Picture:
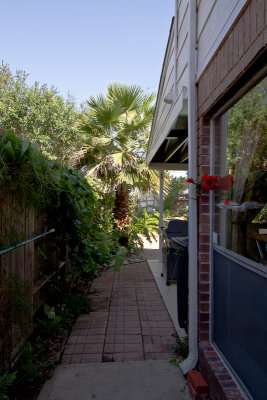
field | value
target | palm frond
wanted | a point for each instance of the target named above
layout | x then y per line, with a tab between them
138	126
101	141
95	101
103	111
117	158
129	97
108	114
117	127
147	102
92	128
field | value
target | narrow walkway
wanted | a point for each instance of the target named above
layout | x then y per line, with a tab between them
129	321
123	347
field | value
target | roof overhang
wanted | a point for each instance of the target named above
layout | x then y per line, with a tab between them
172	153
168	141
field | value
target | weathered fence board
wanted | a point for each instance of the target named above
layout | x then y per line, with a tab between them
31	264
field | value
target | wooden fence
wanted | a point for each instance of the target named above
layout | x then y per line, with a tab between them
24	271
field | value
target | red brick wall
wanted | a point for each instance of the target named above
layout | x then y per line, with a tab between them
204	229
245	41
221	384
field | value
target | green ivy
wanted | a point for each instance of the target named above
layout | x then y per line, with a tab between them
6	382
66	197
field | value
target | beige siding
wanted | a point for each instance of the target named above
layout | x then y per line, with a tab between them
215	17
174	78
167	84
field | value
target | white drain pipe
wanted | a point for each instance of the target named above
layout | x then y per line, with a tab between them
161	205
192	359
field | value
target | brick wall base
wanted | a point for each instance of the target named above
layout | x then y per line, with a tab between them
221	383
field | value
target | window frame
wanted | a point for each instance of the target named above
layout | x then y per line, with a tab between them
215	117
245	262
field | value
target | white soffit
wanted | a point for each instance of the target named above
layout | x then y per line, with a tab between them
179	109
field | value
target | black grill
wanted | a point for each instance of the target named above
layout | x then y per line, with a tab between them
175	263
176	228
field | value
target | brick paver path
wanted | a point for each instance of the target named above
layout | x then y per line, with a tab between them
129	320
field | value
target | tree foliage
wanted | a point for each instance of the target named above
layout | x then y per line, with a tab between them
117	127
39	114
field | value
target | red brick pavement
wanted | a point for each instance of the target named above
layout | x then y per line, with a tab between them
129	320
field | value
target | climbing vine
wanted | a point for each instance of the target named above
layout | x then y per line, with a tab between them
66	198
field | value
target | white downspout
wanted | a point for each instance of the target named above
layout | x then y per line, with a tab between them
161	204
192	358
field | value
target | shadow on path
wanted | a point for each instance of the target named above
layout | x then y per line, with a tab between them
123	348
129	320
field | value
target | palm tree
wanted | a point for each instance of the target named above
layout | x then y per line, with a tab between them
117	128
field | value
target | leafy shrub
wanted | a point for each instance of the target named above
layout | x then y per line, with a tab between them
29	374
6	381
145	224
50	327
60	317
174	201
120	257
67	198
181	346
74	304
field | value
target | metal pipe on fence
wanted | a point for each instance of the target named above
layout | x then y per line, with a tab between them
26	241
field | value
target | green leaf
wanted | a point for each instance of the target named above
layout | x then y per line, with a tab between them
6	381
57	175
120	257
25	145
146	232
8	148
11	137
81	203
34	146
69	183
56	321
47	309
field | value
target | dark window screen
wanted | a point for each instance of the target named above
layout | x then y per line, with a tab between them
240	322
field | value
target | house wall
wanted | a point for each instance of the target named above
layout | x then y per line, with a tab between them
162	114
231	35
215	18
149	203
173	78
243	44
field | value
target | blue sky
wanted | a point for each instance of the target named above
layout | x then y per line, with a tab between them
80	46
